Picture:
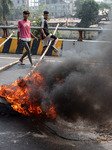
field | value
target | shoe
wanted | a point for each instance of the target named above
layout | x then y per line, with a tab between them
32	65
21	62
56	50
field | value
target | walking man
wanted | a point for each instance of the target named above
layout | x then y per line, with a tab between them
45	35
24	27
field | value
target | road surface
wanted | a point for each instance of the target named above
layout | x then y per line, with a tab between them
18	132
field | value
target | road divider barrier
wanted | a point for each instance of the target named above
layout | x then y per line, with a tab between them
36	47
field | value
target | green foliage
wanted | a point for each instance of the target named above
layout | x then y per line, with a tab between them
89	13
104	6
78	5
36	18
36	23
16	13
1	12
5	6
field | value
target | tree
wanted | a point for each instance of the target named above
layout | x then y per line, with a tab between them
5	6
78	5
36	18
16	13
89	13
104	6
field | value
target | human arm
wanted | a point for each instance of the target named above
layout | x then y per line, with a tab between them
34	36
43	33
41	30
18	35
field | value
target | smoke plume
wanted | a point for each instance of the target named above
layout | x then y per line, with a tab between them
79	89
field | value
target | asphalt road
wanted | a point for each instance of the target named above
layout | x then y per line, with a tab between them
18	132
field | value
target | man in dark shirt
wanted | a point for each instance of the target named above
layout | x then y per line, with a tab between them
46	36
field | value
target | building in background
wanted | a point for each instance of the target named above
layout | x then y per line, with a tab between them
19	3
107	1
56	8
34	3
99	1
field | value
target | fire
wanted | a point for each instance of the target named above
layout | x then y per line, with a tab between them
59	80
24	95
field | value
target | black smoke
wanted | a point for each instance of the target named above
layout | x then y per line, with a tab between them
79	89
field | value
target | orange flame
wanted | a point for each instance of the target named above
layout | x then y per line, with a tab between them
59	80
24	96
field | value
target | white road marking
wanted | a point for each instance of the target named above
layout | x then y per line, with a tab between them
47	59
8	58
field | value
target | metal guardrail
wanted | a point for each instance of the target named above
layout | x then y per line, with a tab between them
80	30
60	28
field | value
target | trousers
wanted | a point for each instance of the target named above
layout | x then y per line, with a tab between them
28	51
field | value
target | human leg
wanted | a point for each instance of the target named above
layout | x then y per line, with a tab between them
45	43
28	51
55	39
44	48
27	46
